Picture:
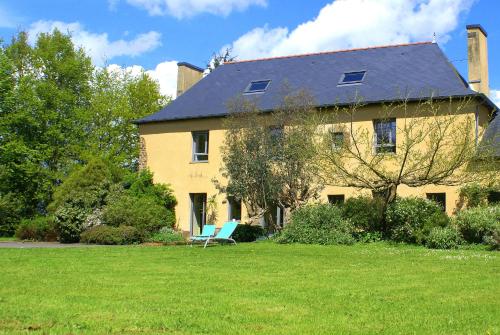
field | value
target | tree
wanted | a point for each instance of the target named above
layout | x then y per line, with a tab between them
118	98
57	112
40	125
220	58
429	143
268	159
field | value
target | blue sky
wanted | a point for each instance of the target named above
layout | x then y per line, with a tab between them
155	34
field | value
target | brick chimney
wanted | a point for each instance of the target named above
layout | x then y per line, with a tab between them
477	50
187	76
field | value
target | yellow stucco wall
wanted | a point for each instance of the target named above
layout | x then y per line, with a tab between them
169	156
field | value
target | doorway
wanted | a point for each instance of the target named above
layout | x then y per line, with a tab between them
233	209
198	212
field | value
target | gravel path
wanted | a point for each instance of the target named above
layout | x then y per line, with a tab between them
29	245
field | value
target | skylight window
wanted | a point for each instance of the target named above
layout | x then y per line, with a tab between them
257	86
352	77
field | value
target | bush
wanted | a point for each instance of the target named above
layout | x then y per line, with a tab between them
368	237
86	187
365	213
480	224
69	221
10	214
141	184
317	224
493	240
411	219
247	233
111	235
443	238
474	195
38	229
144	213
167	235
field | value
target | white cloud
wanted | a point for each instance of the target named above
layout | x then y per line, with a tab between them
165	73
98	46
346	24
495	96
188	8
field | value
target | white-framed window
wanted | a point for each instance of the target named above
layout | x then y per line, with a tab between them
234	209
384	135
200	146
356	77
338	140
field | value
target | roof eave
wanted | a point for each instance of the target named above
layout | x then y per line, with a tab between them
483	98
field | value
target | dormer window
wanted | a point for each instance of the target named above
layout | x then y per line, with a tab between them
352	77
257	86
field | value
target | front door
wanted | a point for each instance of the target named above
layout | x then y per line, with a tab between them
198	212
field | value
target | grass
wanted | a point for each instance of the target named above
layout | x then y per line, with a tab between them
7	239
252	288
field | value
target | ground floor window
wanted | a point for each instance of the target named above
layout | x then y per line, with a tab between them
278	217
234	209
494	197
336	199
440	198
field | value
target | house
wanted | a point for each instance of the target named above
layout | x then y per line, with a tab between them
181	143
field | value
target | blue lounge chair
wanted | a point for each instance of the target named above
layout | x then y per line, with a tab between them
224	234
207	232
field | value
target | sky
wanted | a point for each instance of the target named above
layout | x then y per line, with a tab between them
153	35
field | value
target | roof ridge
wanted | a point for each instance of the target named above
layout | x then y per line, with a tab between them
330	52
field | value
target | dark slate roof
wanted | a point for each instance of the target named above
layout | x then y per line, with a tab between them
411	71
491	137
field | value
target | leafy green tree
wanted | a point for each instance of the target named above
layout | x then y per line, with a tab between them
40	128
117	99
270	163
57	112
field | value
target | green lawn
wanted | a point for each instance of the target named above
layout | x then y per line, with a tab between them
251	288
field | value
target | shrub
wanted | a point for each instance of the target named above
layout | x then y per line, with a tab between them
144	213
41	228
480	224
411	219
493	240
474	195
443	238
247	233
365	213
86	187
141	184
69	221
10	214
111	235
368	237
167	235
317	224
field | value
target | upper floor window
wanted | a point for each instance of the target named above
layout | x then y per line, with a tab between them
257	86
200	146
337	140
385	135
352	77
